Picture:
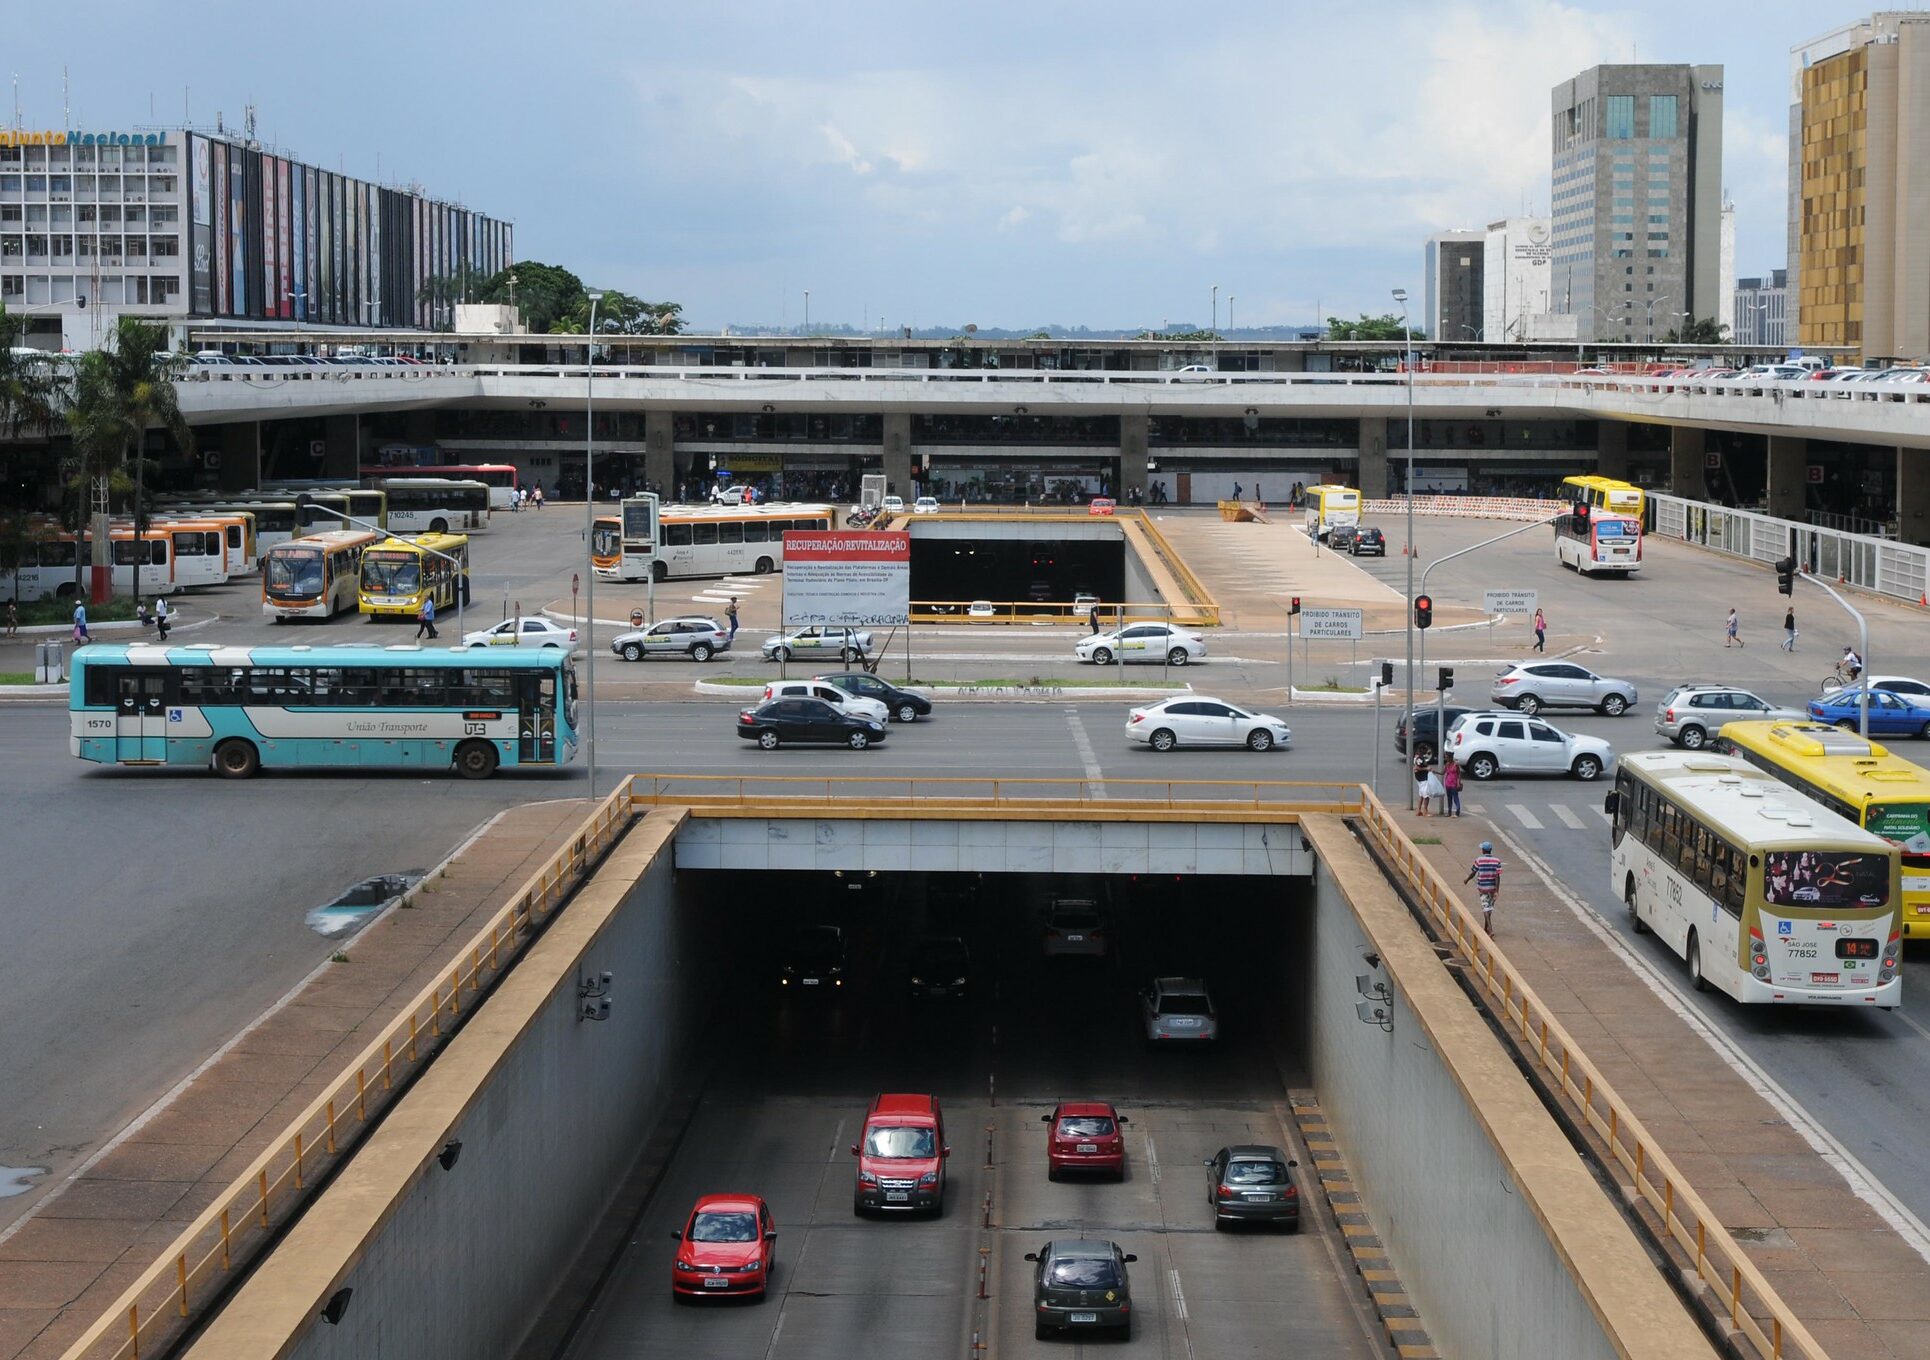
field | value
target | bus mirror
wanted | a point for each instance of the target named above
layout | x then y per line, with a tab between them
1612	802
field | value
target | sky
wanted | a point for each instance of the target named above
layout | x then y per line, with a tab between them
998	164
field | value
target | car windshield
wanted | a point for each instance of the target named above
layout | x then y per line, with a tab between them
724	1227
1084	1272
1085	1126
1825	878
1255	1172
940	958
891	1140
1183	1003
1075	920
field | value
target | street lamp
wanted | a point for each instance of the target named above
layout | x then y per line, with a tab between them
807	311
589	533
1230	300
1216	309
1400	296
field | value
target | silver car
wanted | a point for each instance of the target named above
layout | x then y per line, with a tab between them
1536	685
1178	1010
1690	714
697	636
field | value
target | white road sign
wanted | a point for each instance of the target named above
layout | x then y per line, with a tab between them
1330	623
1509	601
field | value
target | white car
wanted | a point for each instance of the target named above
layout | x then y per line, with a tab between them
844	701
1905	685
1493	744
925	505
894	504
1196	720
1194	373
1142	642
849	645
697	636
980	609
1178	1009
523	632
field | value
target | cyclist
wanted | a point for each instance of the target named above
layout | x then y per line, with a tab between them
1851	664
1485	874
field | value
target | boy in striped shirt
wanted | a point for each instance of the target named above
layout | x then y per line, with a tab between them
1485	874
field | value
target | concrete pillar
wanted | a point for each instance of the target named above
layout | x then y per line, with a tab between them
1687	446
1913	496
1135	429
1611	449
343	435
659	460
1373	458
1788	469
897	450
240	448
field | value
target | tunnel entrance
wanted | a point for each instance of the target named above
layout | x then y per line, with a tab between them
1046	573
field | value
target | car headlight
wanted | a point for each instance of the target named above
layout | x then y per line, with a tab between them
752	1264
866	1178
918	982
684	1264
958	982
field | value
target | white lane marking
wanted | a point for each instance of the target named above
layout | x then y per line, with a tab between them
1152	1159
1608	820
1476	807
1083	745
1179	1296
1567	816
1862	1182
1525	817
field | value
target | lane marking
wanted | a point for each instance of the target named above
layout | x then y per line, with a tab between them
1606	819
1179	1298
1152	1158
1567	816
1083	745
1525	817
1863	1182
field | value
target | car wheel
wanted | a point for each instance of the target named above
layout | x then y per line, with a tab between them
858	740
551	646
1051	1173
1614	706
236	760
1696	980
1528	704
850	656
1219	1224
1041	1332
1162	740
765	566
476	760
659	571
1259	740
700	651
1482	766
782	653
632	652
1634	915
1177	657
1691	738
1101	656
857	1207
1924	732
1586	767
768	739
1847	724
907	713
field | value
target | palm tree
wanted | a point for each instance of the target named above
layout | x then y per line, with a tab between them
120	393
30	394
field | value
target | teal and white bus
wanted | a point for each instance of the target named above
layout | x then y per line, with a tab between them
240	710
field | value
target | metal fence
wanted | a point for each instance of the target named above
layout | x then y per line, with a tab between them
1880	565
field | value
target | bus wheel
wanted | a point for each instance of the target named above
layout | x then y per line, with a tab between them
659	572
438	526
476	760
1634	916
765	566
1696	980
462	587
236	759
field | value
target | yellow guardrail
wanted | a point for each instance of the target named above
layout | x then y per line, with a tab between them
1043	611
883	795
1205	610
1752	1305
203	1260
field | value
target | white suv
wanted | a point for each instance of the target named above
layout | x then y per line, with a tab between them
842	700
1494	744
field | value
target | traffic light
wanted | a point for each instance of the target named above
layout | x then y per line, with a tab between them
1423	610
1786	576
1386	675
1580	516
1296	605
1447	678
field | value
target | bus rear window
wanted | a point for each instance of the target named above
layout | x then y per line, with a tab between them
1825	878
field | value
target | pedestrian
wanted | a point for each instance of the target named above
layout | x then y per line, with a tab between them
1092	617
13	618
80	624
1485	874
731	613
1236	491
537	495
1262	500
1427	784
163	618
1731	628
1541	631
1451	781
1789	630
426	619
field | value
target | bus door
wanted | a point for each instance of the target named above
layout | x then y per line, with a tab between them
536	719
140	715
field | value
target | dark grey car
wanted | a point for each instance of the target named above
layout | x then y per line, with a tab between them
1253	1183
1081	1286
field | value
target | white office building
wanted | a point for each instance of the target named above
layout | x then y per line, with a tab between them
1515	274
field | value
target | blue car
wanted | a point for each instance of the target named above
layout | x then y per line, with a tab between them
1891	715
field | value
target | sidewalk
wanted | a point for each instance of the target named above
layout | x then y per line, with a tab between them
67	1262
1860	1288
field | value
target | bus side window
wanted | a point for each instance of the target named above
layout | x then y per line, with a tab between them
1704	859
676	535
757	531
1736	890
730	531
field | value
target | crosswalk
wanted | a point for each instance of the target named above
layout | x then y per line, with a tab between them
1589	819
738	586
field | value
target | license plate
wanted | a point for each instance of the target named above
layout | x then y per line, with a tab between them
1257	1199
1088	1147
1082	1317
716	1282
1923	908
897	1196
810	982
1824	977
1075	939
1183	1024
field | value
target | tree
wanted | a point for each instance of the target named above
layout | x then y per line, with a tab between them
1387	326
1704	330
30	387
543	293
443	291
122	391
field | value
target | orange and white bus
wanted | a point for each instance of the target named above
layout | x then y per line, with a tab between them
705	540
316	576
47	564
239	553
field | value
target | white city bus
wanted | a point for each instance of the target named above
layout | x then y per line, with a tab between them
706	540
435	505
1768	896
314	577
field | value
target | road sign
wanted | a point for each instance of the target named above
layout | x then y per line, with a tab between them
1330	623
847	578
1508	601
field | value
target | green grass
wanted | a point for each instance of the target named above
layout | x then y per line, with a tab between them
1033	682
16	677
62	611
1331	686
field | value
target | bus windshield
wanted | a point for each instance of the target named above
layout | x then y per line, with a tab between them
605	538
298	573
391	573
1823	878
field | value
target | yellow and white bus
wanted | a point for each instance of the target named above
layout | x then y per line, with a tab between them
1329	506
1768	896
1607	494
314	577
704	540
399	573
1857	779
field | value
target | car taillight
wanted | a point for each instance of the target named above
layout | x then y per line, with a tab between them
1138	716
1669	716
767	693
1457	738
745	716
1507	679
1293	1192
1225	1192
572	635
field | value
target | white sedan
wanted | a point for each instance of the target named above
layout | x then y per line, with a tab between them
849	645
1142	642
1196	720
925	505
894	504
524	632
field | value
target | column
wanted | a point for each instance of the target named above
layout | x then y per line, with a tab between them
1913	496
1687	445
343	436
1373	458
1788	469
1611	449
240	449
897	450
659	460
1135	429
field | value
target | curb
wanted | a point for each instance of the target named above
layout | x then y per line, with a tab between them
23	694
1055	693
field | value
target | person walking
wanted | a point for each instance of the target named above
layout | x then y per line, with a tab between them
13	618
163	617
1236	491
1092	617
1451	781
537	495
1789	630
1732	639
1485	874
1541	630
1427	785
730	612
80	623
426	620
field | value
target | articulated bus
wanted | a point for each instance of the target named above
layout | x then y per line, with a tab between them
245	709
398	574
435	505
704	540
1856	779
47	564
314	577
1604	543
1606	493
1769	897
1331	506
500	478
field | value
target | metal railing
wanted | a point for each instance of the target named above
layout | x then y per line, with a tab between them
1047	611
874	794
1879	565
1751	1305
1201	605
203	1259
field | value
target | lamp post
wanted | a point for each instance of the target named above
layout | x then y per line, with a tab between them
1230	300
1216	309
807	311
1400	296
589	531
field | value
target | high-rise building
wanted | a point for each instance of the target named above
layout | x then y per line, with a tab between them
1452	266
1514	276
1761	311
1859	259
1637	198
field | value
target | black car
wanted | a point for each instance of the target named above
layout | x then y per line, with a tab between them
1370	543
901	704
773	724
1341	537
940	969
1424	720
1081	1286
812	960
1253	1183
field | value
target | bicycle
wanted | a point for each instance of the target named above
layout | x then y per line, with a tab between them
1841	677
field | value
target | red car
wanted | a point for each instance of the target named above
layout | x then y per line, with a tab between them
1083	1135
725	1248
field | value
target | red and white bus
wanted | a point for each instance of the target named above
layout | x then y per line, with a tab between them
500	478
1599	542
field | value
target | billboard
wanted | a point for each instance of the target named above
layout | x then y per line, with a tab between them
847	578
200	227
284	227
270	270
222	279
237	235
298	274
